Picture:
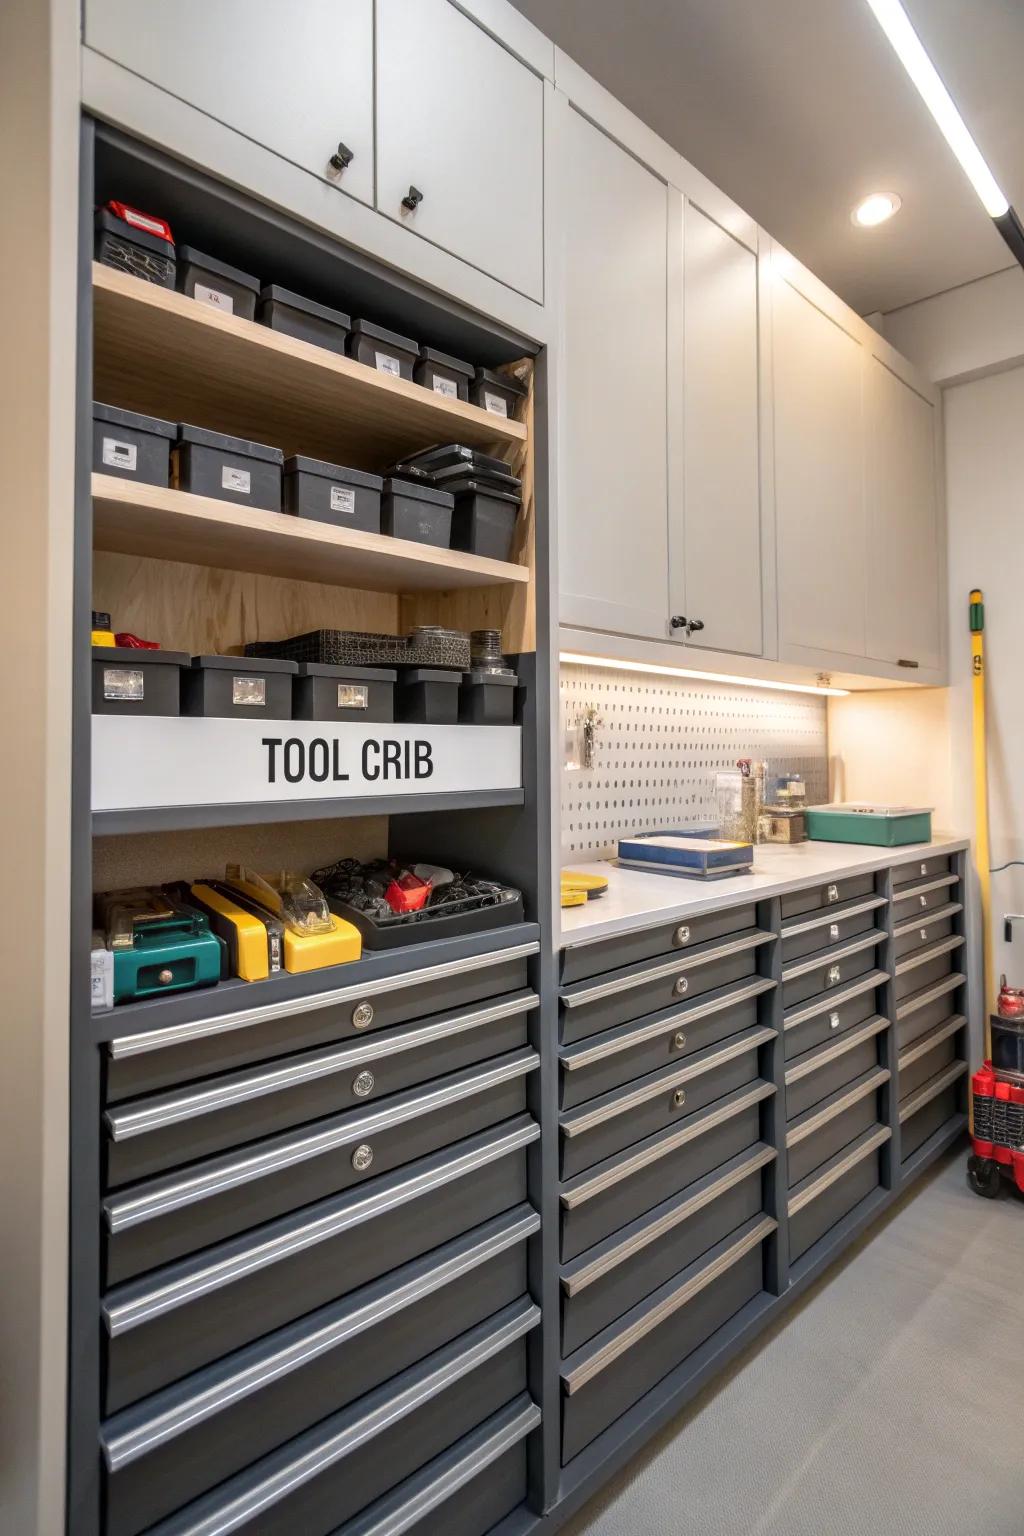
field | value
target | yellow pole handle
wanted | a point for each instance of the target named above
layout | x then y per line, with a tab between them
980	760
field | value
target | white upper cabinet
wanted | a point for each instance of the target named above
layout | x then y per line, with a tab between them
612	433
460	122
296	79
716	533
904	529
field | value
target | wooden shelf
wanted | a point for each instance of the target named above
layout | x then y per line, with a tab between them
159	352
136	519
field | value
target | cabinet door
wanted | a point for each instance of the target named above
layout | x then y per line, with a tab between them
719	546
819	478
613	512
461	121
903	597
297	79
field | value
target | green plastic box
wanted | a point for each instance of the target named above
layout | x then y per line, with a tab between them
880	826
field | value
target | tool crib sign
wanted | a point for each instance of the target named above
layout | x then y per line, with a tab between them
157	760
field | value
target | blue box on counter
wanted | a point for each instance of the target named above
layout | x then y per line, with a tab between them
686	852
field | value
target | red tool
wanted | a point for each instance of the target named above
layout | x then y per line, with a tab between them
997	1101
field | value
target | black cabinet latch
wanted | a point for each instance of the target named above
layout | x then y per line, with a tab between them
342	157
412	199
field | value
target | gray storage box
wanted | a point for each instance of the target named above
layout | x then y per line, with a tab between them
293	315
211	281
127	246
443	375
228	468
382	349
365	695
238	688
409	510
428	696
488	698
484	519
498	393
130	681
132	446
330	493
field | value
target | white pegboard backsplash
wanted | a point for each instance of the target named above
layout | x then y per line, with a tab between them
661	744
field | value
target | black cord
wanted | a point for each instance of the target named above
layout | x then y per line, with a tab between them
1011	864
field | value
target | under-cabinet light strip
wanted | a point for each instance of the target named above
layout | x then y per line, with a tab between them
576	659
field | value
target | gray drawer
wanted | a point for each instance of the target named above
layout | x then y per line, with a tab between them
615	1275
803	936
164	1218
834	1191
830	1067
330	1473
808	1026
829	893
930	1054
617	1120
928	964
150	1135
624	1187
921	869
179	1443
167	1055
467	1490
631	993
184	1316
581	961
832	970
603	1062
921	897
606	1377
928	930
927	1007
825	1129
931	1106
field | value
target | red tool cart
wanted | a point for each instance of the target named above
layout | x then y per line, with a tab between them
997	1094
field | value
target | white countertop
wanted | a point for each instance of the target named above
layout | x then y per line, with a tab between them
636	899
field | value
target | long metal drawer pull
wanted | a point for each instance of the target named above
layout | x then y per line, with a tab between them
624	1168
855	946
933	952
410	1503
930	1041
284	1008
931	1089
123	1211
829	915
817	1119
929	994
572	1058
234	1511
138	1430
832	1052
820	1182
826	1002
927	919
603	1357
908	892
139	1303
579	1122
674	967
587	1274
155	1113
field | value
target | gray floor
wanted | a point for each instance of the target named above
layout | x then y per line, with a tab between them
891	1399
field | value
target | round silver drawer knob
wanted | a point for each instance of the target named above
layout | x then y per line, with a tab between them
679	1098
683	934
682	985
165	977
362	1157
363	1085
679	1041
362	1015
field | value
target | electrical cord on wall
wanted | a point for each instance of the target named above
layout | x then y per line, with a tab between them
1010	864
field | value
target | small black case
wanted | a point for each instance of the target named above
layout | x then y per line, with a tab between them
409	510
213	282
330	493
428	696
230	468
132	446
238	687
302	318
135	681
365	695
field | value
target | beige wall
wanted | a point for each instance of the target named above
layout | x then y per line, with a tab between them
894	747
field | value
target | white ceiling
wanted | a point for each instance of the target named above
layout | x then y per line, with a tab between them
798	108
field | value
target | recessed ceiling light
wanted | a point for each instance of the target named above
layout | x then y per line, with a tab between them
876	209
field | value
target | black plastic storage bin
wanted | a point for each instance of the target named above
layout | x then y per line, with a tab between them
483	519
459	457
442	374
292	315
496	392
409	510
382	349
330	493
132	242
428	696
213	282
238	688
365	695
230	468
488	698
125	443
131	681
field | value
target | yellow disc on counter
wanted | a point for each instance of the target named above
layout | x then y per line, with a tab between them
589	885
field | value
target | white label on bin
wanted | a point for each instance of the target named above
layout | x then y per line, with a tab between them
235	479
446	387
216	300
496	404
386	364
117	455
343	499
353	696
249	690
123	683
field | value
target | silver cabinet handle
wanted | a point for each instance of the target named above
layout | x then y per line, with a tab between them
936	915
574	1057
931	1089
928	995
833	1172
815	1007
682	935
832	893
930	1041
592	993
801	925
848	1042
813	1121
933	952
855	946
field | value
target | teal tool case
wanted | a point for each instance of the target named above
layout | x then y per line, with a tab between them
879	826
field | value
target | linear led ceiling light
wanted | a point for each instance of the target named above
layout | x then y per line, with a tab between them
896	25
574	658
